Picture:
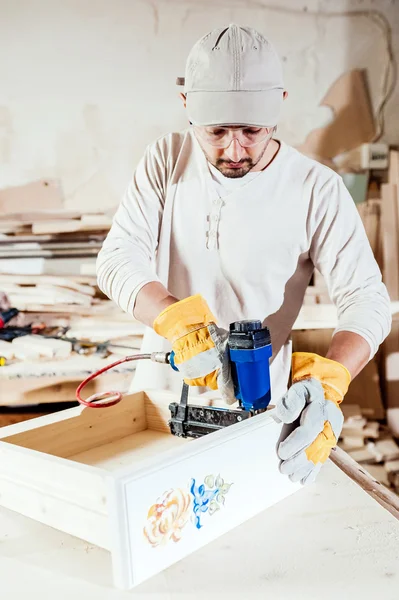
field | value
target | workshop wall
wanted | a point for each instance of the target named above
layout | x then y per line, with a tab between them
87	84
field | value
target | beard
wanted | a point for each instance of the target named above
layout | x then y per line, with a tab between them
246	164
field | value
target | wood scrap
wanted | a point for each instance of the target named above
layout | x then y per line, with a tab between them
88	269
29	216
370	213
25	354
390	239
362	455
62	282
75	365
73	225
111	331
51	348
368	430
393	169
386	450
379	473
44	194
352	414
43	266
46	294
7	349
373	447
391	466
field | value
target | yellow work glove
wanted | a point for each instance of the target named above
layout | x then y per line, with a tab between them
318	387
199	345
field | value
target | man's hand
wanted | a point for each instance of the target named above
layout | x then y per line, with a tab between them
199	345
319	385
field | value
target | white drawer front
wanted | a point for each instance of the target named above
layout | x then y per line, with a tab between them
204	491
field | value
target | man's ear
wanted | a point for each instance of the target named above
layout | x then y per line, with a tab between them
183	98
285	94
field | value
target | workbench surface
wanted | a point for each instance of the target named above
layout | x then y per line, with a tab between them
329	540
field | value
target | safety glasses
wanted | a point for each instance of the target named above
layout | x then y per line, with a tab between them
221	137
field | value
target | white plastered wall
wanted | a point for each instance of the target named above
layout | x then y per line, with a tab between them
85	85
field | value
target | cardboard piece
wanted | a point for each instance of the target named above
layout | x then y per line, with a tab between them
353	124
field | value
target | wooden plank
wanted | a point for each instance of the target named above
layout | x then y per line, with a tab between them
370	213
101	308
390	239
51	348
42	194
102	220
393	169
390	369
72	225
30	216
74	366
62	282
47	295
7	349
106	332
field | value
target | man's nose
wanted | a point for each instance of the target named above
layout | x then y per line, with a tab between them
235	152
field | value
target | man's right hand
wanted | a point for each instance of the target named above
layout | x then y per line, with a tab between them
199	345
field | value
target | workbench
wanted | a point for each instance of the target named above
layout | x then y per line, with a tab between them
330	540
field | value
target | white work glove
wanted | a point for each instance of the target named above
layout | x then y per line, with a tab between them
319	386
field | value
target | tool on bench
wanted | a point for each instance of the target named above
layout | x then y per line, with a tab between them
250	349
9	333
7	315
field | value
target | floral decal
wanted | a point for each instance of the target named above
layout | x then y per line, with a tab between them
210	499
167	517
171	512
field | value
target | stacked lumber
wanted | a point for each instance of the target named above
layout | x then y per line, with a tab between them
371	445
53	294
38	235
50	241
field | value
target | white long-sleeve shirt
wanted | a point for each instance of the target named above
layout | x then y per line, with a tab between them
249	246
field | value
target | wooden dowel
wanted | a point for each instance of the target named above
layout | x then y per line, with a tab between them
360	475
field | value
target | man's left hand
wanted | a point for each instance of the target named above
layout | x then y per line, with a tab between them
319	385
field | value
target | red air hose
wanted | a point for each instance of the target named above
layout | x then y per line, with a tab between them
113	396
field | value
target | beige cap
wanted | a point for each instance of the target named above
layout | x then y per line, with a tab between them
233	77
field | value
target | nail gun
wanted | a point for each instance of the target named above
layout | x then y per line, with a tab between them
250	349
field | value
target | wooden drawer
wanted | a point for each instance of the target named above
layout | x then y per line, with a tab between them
117	478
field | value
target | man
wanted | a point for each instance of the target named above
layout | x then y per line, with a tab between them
221	223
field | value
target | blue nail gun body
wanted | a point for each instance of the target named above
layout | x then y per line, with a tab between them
250	350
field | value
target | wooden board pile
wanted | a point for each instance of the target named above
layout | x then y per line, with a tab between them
371	445
96	324
36	293
48	293
38	235
44	371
